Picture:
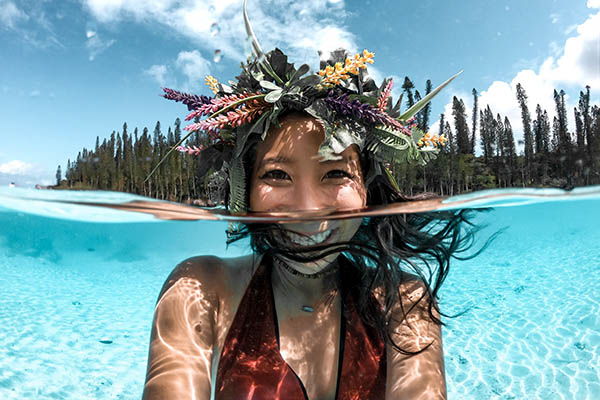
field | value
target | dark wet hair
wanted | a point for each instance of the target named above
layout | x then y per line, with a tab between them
383	253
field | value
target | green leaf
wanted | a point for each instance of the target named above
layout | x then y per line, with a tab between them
304	68
237	187
310	80
269	85
255	46
273	96
387	138
423	102
391	179
398	105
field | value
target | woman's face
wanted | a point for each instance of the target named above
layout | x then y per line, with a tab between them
288	176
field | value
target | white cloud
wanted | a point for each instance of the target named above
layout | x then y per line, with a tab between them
34	93
593	3
10	14
23	173
298	27
95	44
579	63
574	65
158	72
32	27
16	167
193	65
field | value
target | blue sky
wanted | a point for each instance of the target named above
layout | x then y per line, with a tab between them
72	70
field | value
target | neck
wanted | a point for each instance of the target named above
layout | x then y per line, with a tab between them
301	288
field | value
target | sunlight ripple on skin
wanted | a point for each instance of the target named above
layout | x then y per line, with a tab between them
185	316
294	352
413	333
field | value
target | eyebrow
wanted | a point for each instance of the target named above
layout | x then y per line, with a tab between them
286	160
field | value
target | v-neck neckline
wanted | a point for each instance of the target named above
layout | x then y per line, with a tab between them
342	337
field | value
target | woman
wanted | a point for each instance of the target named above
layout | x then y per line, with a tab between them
335	309
202	297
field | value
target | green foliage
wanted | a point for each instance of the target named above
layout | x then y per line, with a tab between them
123	160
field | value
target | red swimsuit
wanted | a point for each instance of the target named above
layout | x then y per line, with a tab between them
251	367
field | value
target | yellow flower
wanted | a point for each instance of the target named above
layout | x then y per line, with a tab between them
212	83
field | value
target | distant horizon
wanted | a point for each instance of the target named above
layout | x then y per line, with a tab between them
81	69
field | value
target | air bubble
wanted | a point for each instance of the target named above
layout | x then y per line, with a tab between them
218	55
214	29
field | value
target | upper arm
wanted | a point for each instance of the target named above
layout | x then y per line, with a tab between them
418	376
182	338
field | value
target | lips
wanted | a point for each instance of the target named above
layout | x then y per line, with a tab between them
304	239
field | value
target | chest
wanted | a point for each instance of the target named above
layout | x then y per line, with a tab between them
310	343
274	350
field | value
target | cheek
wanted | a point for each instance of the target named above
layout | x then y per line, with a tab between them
352	195
261	197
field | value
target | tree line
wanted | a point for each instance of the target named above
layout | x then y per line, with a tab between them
552	156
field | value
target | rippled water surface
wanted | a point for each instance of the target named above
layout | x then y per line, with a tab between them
77	297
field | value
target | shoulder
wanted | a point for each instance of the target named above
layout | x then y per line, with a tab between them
212	274
410	290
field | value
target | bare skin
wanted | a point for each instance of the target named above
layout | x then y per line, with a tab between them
201	296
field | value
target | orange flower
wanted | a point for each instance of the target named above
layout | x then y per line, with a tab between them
333	75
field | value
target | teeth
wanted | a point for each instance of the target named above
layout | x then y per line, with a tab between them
305	240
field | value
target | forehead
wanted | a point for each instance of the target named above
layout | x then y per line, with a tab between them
296	140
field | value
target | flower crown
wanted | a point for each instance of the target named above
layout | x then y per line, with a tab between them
341	96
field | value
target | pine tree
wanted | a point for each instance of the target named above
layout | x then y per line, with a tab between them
584	107
546	133
563	136
119	183
474	119
426	112
487	129
408	86
538	130
509	150
460	126
526	120
58	176
452	166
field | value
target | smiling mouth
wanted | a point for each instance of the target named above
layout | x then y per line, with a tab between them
310	240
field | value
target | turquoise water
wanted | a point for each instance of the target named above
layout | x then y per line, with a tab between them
77	298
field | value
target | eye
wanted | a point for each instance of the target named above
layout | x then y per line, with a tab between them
275	174
338	174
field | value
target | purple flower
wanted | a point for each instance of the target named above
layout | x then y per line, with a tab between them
362	112
192	101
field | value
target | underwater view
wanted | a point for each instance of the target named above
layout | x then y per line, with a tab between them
79	286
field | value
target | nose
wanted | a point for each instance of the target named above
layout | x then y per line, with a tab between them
309	198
